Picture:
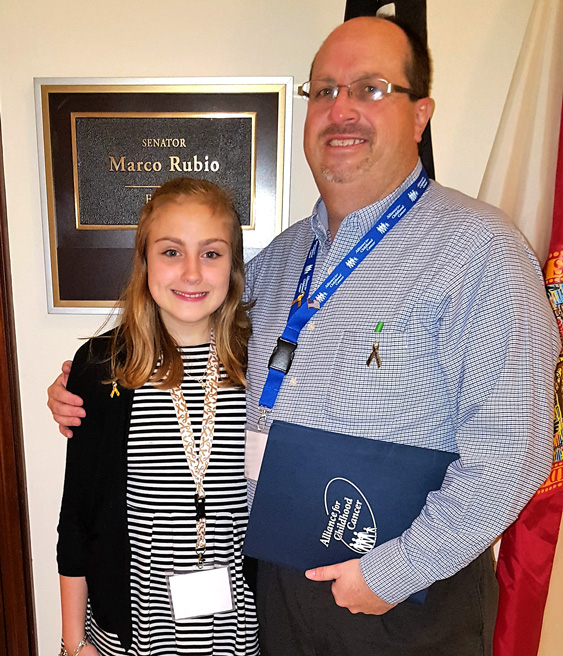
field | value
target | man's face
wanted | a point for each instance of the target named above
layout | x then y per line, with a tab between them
352	142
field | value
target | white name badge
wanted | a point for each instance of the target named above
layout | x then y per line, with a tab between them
200	592
255	446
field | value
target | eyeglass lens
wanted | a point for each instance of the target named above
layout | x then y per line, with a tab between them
364	90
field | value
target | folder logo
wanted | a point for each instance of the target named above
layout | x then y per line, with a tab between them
350	519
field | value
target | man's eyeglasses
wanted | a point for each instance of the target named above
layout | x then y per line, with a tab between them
366	89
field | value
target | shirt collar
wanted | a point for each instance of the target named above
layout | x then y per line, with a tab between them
361	220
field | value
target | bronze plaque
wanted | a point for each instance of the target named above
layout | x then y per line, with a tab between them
108	146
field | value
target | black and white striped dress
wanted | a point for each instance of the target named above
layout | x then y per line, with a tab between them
161	521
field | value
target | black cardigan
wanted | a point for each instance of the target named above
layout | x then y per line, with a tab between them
93	539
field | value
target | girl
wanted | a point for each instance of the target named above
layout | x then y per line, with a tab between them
154	482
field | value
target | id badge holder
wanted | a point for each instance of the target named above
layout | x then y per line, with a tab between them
200	592
254	447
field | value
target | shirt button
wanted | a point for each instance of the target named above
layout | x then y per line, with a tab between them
311	325
330	269
293	382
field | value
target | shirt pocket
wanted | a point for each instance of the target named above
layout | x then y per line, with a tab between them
377	394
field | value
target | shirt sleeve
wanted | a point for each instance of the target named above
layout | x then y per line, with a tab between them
81	461
250	273
498	344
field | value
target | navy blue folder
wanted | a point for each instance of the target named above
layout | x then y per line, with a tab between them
323	498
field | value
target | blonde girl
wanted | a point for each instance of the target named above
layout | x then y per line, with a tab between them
154	483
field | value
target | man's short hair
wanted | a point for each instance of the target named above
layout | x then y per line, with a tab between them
418	70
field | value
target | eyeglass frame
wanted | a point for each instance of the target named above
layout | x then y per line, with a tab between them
391	88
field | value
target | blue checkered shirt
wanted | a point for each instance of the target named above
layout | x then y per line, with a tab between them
468	352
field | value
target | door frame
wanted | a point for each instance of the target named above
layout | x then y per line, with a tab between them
18	636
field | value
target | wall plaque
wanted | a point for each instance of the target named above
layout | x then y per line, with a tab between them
106	145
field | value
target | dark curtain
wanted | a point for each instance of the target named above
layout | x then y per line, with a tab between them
413	14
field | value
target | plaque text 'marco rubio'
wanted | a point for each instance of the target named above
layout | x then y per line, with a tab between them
174	164
121	158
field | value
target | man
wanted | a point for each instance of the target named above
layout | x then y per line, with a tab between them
466	353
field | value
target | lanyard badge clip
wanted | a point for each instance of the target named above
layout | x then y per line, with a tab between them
280	360
263	418
282	355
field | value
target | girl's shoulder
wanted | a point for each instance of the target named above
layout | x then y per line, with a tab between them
96	347
91	363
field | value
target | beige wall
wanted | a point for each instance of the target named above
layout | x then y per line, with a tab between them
474	58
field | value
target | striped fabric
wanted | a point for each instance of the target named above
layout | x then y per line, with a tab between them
161	520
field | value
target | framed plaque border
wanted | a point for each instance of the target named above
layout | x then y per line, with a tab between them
266	228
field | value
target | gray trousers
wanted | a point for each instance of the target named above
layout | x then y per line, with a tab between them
298	617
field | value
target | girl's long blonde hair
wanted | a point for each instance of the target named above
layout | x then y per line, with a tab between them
142	349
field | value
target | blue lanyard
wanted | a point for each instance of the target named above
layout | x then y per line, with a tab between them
305	306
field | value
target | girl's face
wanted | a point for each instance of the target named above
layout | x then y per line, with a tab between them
188	267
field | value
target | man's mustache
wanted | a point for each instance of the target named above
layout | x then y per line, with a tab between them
343	130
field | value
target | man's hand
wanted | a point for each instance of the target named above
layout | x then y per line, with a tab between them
66	407
349	588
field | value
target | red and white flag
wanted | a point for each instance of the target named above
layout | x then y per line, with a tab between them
525	570
524	177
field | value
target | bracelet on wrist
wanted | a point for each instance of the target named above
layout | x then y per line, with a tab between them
78	649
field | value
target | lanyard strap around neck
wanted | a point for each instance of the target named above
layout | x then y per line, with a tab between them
198	462
305	306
